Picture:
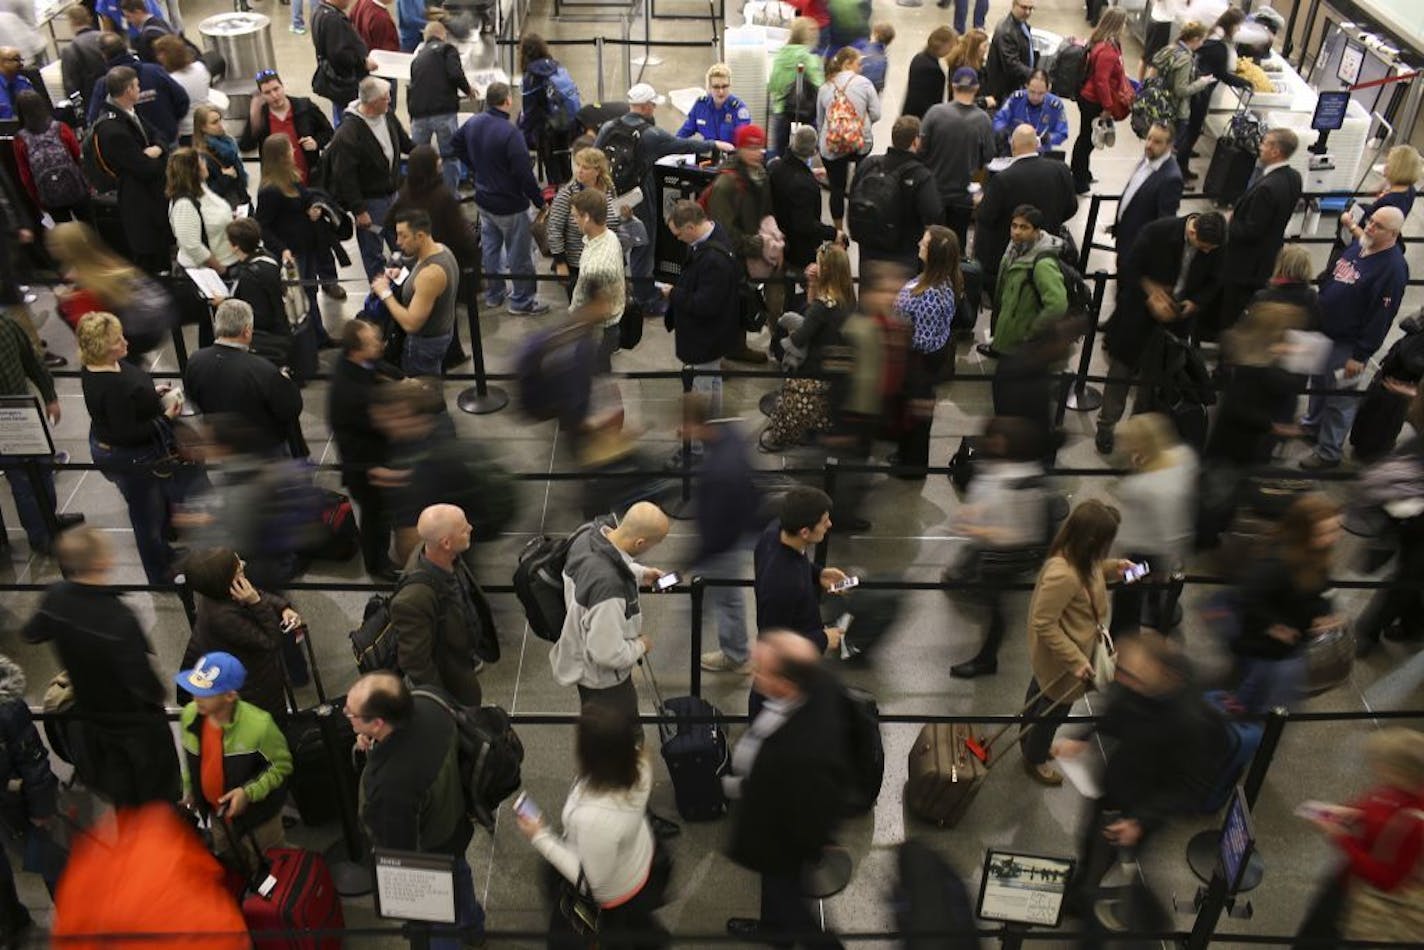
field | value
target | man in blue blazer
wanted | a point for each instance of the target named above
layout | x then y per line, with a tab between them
1153	191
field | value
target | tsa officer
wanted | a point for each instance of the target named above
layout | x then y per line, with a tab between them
717	115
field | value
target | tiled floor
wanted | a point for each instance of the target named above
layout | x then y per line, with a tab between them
909	539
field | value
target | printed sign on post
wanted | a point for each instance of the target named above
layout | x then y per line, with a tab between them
412	886
22	428
1023	888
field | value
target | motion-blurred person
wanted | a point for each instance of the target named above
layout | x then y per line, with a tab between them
1030	179
1029	291
1397	612
124	749
1012	57
29	809
726	502
1358	303
590	170
788	784
1261	393
1158	502
437	79
236	761
359	442
423	306
1068	610
897	224
364	165
796	201
47	157
1375	894
1293	283
228	378
147	26
606	845
1039	109
1259	219
32	486
180	62
1005	517
790	99
297	118
1284	601
956	141
81	61
1153	190
602	637
718	114
411	797
1169	277
1105	89
161	103
740	203
127	419
926	82
434	616
413	423
236	618
703	305
1158	756
137	154
927	304
844	84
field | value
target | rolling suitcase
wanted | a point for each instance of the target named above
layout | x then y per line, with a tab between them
867	750
1228	174
695	753
302	896
314	784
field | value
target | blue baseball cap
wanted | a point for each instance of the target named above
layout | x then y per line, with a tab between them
965	77
213	675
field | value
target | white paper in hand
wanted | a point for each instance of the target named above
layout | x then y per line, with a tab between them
1082	774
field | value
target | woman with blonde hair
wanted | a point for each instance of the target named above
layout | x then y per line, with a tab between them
927	82
841	147
1293	284
227	173
590	170
97	279
1403	168
781	88
197	215
718	113
127	418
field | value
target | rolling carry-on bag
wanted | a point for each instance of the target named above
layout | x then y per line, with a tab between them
1228	174
695	753
867	750
297	893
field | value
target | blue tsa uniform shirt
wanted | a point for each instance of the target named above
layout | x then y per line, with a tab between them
715	124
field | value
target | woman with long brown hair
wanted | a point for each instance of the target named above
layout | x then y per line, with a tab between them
198	215
227	173
926	83
1067	614
927	304
1105	89
1284	603
289	223
549	101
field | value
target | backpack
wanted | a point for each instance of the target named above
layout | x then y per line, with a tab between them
372	643
561	102
490	755
58	178
539	583
1068	69
620	145
876	212
554	372
801	99
1154	103
99	172
845	131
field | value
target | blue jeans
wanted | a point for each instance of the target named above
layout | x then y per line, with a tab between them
297	20
961	14
506	247
147	496
728	604
442	129
1266	684
1333	415
425	355
32	497
641	260
468	911
370	240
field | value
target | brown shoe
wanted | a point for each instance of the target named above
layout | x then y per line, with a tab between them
1044	774
747	355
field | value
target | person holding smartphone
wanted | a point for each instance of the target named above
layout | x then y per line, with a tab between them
607	848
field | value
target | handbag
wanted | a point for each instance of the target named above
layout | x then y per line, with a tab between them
578	907
295	302
1104	652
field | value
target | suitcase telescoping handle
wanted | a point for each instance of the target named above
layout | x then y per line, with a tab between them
981	750
665	730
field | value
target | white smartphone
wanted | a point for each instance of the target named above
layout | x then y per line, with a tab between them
846	584
1135	572
667	582
524	807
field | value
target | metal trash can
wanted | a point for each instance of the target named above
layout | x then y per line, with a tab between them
245	42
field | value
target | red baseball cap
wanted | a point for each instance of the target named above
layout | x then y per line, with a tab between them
749	136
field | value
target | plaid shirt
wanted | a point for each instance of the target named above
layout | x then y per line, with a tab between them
19	362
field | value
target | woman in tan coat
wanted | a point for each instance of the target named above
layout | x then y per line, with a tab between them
1069	605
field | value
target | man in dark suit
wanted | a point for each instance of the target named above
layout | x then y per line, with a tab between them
1153	192
789	778
1011	56
227	378
1258	227
361	445
796	202
1030	179
133	150
1169	277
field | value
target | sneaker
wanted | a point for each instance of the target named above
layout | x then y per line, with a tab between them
299	30
1104	441
1314	463
493	303
719	662
1111	914
1044	774
533	309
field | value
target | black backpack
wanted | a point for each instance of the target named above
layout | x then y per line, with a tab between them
620	145
1068	69
876	215
801	100
491	754
373	643
539	583
100	173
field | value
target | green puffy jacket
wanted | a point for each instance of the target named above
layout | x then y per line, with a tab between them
1029	294
783	73
255	758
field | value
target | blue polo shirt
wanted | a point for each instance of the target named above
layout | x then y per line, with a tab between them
715	124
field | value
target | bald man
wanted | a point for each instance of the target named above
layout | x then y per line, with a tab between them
1358	304
602	638
1030	178
435	611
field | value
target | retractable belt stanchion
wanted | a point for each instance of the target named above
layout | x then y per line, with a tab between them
481	398
1094	207
681	509
699	597
1082	397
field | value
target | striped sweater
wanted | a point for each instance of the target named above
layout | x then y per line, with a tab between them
565	239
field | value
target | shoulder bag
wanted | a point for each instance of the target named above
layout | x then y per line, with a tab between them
1104	653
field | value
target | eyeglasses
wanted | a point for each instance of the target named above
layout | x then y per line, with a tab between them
265	74
721	85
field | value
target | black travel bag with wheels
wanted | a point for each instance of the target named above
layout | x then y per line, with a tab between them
695	753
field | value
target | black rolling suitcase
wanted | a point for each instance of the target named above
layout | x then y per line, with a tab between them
1378	422
1228	174
315	783
866	748
966	316
695	753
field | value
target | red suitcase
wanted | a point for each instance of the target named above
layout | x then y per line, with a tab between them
303	897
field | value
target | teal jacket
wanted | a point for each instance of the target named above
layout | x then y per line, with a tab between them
255	758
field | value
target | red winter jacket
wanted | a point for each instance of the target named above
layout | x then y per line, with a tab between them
1397	857
817	10
1106	85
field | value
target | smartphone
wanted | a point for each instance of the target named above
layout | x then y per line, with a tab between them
667	582
846	584
1135	572
524	807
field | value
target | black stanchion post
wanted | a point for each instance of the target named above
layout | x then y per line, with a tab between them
823	550
597	59
699	596
481	398
1082	397
185	597
681	509
1088	229
350	871
180	347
